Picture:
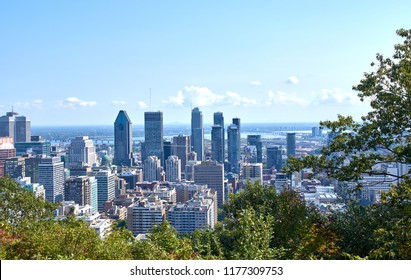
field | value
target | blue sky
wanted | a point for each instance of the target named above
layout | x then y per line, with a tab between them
80	62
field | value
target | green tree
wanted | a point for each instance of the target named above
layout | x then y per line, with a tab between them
20	207
54	240
207	244
382	137
117	245
248	237
289	219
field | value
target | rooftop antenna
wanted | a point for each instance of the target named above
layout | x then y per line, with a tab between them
150	100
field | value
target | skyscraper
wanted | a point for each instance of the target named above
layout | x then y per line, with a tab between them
234	145
181	148
32	168
217	138
18	127
78	189
217	148
153	135
15	167
105	188
291	144
51	176
274	158
211	173
123	153
197	133
255	140
82	150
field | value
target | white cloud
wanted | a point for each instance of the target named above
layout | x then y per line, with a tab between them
177	100
118	102
73	102
293	80
336	96
142	105
284	98
235	99
202	96
255	83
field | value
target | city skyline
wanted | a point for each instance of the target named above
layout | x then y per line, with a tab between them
80	62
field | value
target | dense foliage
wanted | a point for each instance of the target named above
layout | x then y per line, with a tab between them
259	224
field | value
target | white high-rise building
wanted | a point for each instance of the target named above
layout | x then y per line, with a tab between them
94	192
152	169
198	213
82	150
105	188
173	169
144	214
51	176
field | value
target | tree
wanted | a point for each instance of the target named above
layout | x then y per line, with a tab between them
53	240
248	237
288	219
382	137
207	244
20	207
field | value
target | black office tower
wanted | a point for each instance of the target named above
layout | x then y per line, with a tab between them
197	133
123	153
153	135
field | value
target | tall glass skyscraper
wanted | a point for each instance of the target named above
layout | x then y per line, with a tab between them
274	158
217	138
255	140
123	153
181	148
197	133
153	135
234	145
291	144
